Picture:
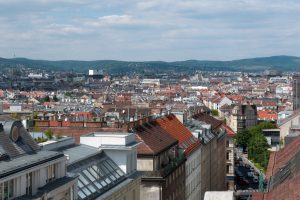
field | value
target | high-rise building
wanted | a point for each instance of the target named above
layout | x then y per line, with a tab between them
296	91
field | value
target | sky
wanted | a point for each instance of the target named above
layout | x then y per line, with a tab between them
145	30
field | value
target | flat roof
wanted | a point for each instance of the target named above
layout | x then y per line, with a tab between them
79	152
94	134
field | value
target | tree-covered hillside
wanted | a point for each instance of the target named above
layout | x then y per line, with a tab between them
283	63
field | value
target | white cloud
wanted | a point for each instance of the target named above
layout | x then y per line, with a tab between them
151	30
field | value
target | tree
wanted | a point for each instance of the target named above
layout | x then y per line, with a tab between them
35	115
242	138
258	145
47	99
68	94
214	112
49	134
55	98
258	149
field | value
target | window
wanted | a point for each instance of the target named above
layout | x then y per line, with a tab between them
29	184
6	190
50	173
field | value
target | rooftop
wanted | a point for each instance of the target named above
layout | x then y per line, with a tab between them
27	161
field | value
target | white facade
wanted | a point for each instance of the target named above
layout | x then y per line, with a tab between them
93	72
193	176
27	182
218	105
33	75
120	147
15	108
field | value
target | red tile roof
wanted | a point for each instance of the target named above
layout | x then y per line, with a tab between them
154	139
229	131
267	115
178	131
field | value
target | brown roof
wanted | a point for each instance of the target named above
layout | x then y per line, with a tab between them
288	190
178	131
280	158
154	139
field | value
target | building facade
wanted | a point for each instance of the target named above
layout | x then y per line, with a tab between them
26	172
296	92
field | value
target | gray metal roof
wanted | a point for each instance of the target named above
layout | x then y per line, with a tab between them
79	152
26	161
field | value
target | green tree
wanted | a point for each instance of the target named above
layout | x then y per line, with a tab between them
258	145
214	112
258	149
49	134
35	115
68	94
55	98
47	99
242	138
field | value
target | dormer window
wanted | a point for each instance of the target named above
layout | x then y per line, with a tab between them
14	134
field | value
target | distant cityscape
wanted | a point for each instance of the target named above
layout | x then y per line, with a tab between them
151	136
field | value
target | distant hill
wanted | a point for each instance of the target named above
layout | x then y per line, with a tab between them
283	63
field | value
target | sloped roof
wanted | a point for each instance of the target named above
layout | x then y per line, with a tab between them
283	173
154	138
229	131
293	115
288	190
267	114
178	131
279	159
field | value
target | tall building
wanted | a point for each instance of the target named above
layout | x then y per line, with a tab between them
242	117
296	91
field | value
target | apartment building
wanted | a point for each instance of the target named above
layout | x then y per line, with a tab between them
242	117
191	147
161	162
26	172
213	152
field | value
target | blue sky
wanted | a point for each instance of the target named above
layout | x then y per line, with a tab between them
139	30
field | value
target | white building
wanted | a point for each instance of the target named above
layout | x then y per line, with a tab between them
120	147
35	76
28	173
99	177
